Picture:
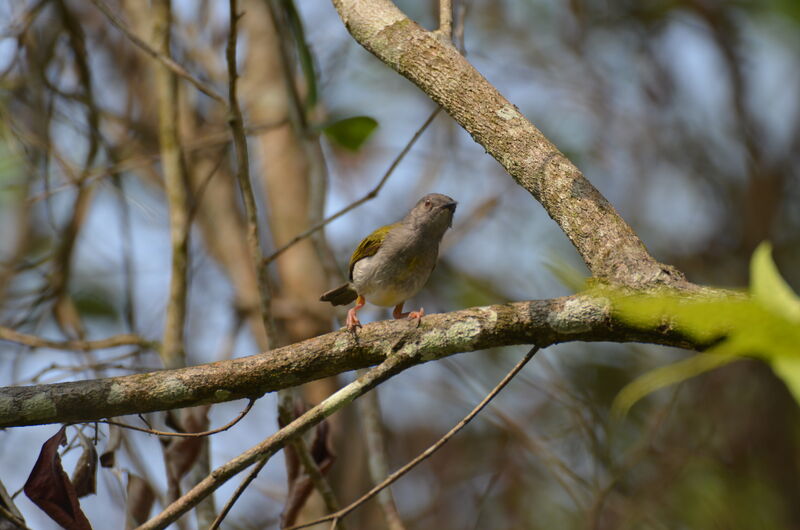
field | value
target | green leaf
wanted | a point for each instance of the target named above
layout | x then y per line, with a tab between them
788	369
666	376
765	325
767	286
304	55
94	301
351	133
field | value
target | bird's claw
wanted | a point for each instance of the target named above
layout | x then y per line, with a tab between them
352	321
417	315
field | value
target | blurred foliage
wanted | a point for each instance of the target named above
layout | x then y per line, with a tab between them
766	325
351	133
95	301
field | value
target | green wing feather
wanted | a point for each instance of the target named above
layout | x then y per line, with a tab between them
370	245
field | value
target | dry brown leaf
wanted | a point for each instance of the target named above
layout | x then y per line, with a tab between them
140	501
49	487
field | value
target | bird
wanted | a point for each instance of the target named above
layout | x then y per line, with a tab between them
395	261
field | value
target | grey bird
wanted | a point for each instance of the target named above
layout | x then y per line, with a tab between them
393	263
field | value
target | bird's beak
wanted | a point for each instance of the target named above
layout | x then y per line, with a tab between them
452	207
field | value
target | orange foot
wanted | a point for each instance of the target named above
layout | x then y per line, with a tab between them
352	321
411	315
416	314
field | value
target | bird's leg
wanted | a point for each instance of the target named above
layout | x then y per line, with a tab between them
352	319
411	315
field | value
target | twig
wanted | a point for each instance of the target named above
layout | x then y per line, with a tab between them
236	123
369	408
446	18
238	493
300	450
212	140
319	482
396	362
458	29
429	451
9	510
225	427
34	341
175	184
370	195
164	59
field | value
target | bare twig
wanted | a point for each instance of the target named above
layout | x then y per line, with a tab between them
176	188
243	177
162	57
9	510
300	451
318	478
370	411
199	144
35	341
225	427
446	18
238	493
429	451
370	195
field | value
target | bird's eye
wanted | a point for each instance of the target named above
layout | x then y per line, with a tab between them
427	203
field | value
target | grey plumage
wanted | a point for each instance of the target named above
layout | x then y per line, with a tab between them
403	258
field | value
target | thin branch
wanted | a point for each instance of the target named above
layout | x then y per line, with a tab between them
34	341
300	450
225	427
177	192
370	412
9	510
198	144
429	451
243	177
318	478
446	18
161	57
370	195
238	493
396	361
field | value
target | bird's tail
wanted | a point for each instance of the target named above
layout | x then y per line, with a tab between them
342	295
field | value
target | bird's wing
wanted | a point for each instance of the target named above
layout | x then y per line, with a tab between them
369	245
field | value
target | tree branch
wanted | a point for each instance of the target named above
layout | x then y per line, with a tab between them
543	322
608	245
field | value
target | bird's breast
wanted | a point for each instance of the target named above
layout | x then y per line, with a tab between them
391	278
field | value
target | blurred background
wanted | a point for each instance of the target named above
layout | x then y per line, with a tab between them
684	113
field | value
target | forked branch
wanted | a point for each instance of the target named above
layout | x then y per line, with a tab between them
608	245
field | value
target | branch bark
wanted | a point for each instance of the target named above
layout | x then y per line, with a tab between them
541	322
608	245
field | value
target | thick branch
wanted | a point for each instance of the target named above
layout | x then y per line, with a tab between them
610	248
543	322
